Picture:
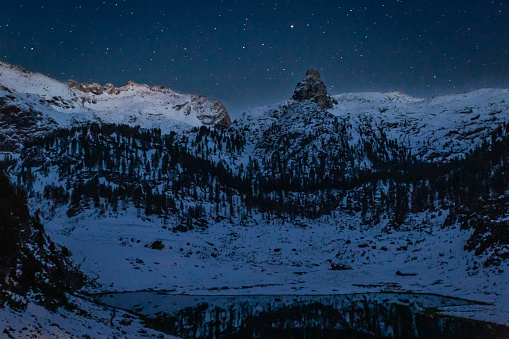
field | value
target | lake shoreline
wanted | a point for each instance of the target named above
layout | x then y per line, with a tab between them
165	311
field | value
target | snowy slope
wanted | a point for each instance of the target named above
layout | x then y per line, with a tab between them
40	95
149	107
278	257
439	127
87	320
56	94
436	128
134	105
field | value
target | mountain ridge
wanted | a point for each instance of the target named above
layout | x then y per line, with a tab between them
273	203
65	104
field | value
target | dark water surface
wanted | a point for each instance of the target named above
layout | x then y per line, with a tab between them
374	315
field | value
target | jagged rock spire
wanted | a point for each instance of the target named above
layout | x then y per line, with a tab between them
311	87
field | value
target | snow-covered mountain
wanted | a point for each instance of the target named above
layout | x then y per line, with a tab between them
32	103
317	194
149	107
438	128
442	127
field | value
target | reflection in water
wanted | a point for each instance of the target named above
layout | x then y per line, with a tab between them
380	315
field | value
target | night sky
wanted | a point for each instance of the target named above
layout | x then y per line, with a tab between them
247	53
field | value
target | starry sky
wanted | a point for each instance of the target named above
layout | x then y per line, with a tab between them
248	53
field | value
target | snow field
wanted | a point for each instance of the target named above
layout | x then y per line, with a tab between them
278	257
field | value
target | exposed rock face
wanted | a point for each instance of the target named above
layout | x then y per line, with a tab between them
311	87
212	112
99	89
94	88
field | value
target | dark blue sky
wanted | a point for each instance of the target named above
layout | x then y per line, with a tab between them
247	53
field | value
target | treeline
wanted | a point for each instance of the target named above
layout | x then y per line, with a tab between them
107	166
196	175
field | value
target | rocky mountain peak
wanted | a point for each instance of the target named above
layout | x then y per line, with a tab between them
94	88
156	101
311	87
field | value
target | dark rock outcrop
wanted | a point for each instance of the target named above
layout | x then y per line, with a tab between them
94	88
30	263
311	87
21	123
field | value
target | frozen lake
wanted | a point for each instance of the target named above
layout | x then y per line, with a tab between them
371	315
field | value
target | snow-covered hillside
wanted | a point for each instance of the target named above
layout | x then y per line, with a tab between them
26	96
149	107
438	128
434	129
87	320
15	79
281	257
